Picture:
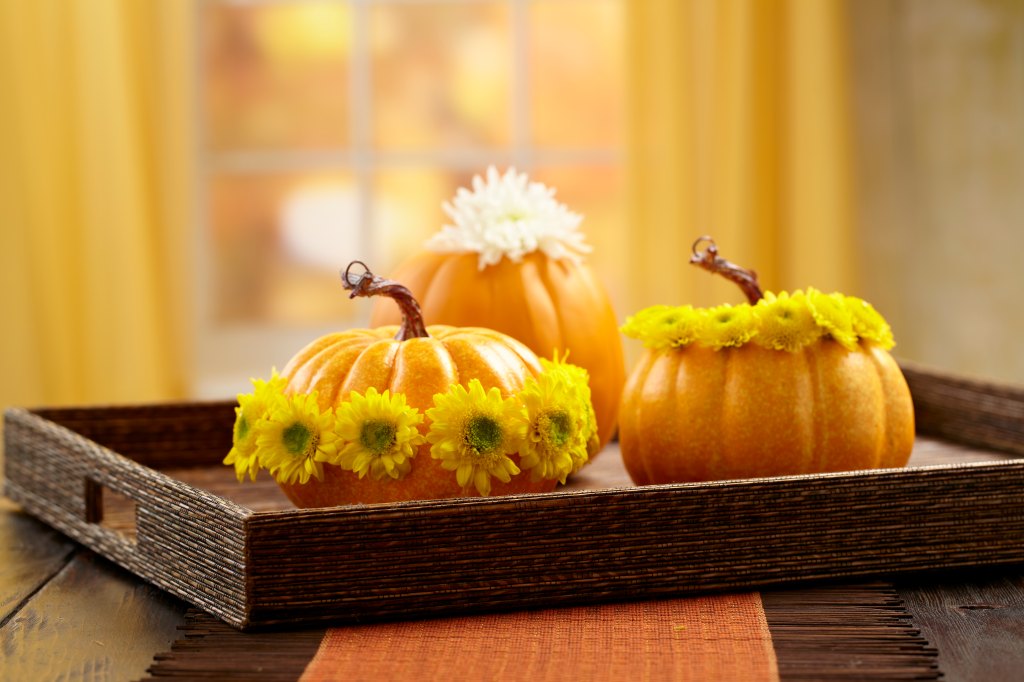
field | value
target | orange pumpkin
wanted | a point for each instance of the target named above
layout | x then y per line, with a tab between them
550	303
505	412
801	399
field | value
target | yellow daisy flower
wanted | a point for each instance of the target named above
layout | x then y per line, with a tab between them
832	314
726	326
643	326
473	433
379	435
295	439
679	326
663	326
581	380
558	424
868	323
785	322
252	409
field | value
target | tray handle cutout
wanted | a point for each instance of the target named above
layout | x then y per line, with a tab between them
111	510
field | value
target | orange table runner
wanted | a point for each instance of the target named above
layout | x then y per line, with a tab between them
723	637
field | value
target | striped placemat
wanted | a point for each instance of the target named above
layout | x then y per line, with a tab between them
851	632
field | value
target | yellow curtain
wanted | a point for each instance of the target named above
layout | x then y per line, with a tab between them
740	128
95	204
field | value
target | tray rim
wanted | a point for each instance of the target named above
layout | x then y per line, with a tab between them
999	460
639	491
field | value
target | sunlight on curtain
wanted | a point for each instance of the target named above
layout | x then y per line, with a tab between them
94	199
739	129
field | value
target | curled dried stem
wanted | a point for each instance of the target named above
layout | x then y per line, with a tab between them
712	262
368	284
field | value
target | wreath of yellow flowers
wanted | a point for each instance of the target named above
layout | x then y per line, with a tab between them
784	321
550	424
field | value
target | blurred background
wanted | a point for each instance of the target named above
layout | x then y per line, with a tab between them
181	180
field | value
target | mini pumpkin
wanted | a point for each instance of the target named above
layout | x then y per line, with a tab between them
792	383
513	262
413	412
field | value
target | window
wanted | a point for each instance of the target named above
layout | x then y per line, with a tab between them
335	129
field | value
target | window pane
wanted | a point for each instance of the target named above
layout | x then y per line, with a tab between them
278	244
277	74
441	74
577	76
598	194
407	210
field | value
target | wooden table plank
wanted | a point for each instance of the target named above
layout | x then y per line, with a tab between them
974	618
92	621
30	554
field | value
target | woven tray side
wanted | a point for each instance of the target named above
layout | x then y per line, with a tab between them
184	540
968	411
571	548
162	436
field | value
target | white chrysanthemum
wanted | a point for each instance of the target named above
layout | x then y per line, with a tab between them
509	216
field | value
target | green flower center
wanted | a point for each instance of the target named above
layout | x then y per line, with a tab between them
299	440
241	428
483	434
377	436
555	428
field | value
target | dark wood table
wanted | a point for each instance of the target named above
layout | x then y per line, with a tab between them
69	614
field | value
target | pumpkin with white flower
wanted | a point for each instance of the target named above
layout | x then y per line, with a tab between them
413	412
513	261
790	383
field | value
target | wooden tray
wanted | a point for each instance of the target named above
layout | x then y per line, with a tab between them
144	487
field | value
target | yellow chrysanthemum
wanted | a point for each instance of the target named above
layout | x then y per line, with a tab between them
473	433
832	313
868	323
252	409
726	326
379	434
581	379
785	322
557	421
643	326
295	438
663	326
680	326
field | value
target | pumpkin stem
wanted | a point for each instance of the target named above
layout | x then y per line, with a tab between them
710	261
368	284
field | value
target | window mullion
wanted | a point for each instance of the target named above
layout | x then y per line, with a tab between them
522	151
361	122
